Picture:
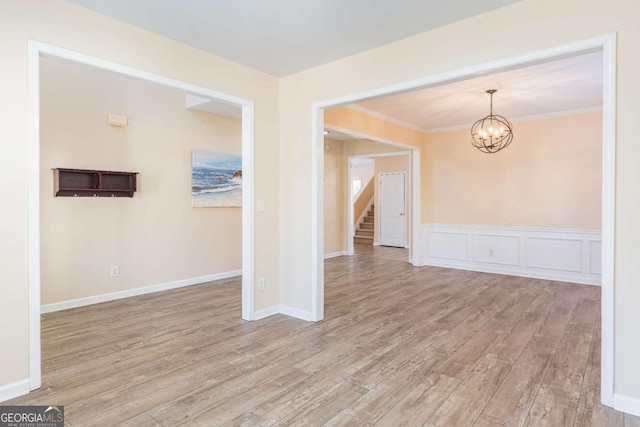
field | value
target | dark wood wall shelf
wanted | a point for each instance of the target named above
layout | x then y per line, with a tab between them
93	183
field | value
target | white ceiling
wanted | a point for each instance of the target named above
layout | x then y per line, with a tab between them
564	86
286	36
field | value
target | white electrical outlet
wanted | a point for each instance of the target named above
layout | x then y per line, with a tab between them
115	271
261	285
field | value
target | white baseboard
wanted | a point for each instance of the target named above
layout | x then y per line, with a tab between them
13	390
266	312
626	404
294	312
517	273
550	254
96	299
282	309
335	254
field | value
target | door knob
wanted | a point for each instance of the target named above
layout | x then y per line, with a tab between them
401	214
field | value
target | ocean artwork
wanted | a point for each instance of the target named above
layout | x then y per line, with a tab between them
216	180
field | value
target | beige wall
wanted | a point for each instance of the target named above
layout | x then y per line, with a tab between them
69	26
392	164
334	197
524	27
550	177
155	237
365	147
358	122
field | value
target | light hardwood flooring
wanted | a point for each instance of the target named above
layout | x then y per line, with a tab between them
384	252
399	346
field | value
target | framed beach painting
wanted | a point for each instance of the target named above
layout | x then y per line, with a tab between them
216	180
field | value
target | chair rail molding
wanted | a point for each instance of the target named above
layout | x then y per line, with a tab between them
544	253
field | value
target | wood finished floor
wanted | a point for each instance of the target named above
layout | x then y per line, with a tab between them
399	346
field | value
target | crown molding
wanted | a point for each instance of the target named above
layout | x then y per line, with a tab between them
377	115
530	118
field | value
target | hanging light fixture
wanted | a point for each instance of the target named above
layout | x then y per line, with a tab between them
492	133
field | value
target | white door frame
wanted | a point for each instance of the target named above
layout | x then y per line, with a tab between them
35	51
379	205
351	227
605	42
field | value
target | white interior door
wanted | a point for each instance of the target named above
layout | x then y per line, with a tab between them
393	219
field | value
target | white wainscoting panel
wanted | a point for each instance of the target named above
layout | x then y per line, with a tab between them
553	254
448	245
493	249
595	261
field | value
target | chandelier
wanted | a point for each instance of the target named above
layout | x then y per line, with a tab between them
492	133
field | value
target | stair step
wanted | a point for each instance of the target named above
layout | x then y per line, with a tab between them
368	219
366	226
364	233
363	239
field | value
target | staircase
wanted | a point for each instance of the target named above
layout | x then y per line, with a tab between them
364	233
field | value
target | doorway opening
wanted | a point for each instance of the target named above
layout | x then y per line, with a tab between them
37	51
606	44
364	210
